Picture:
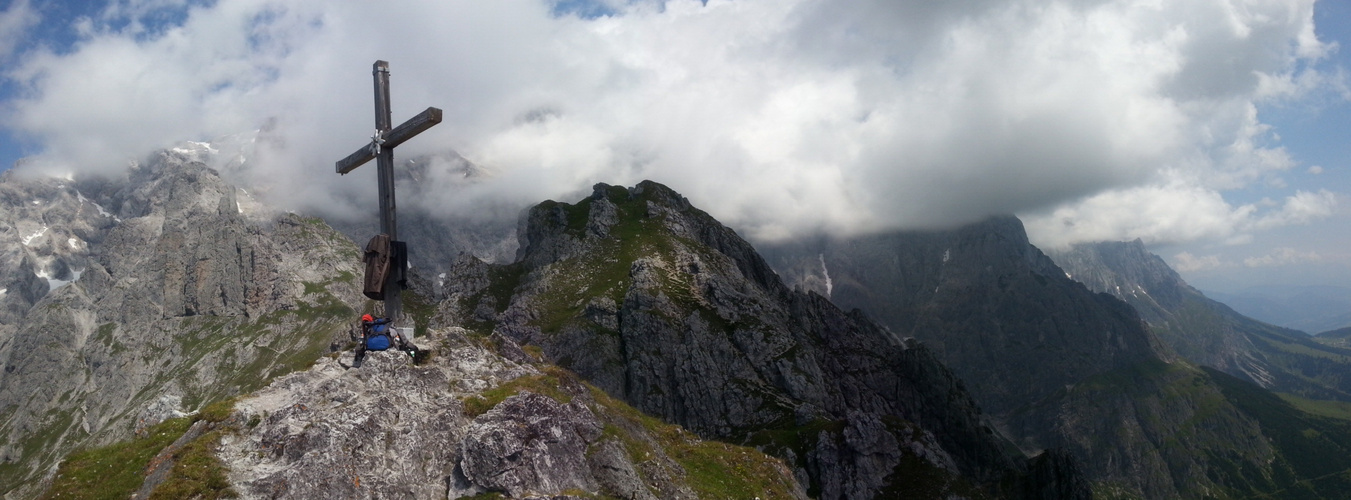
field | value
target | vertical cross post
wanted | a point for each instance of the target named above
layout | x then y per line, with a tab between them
384	163
381	149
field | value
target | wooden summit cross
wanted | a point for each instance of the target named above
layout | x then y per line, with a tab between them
382	149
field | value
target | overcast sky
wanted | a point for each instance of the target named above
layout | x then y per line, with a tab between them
1214	130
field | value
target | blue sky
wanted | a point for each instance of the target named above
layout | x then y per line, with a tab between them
1214	130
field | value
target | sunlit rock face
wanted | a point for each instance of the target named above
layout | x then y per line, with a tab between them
469	421
167	284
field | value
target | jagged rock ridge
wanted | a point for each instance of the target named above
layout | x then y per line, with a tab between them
654	301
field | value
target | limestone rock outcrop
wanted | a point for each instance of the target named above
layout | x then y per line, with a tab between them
465	423
159	286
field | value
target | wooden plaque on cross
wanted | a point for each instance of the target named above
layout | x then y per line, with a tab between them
381	148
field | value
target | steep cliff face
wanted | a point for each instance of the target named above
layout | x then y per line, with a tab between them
654	301
160	290
1055	364
988	302
1207	332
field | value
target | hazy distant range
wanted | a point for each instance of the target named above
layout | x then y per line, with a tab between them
1313	309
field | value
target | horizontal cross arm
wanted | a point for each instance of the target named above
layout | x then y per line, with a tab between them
412	127
406	130
354	160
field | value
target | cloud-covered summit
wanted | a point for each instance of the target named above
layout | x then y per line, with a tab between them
1093	119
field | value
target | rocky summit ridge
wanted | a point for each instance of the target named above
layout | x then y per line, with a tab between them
657	303
470	422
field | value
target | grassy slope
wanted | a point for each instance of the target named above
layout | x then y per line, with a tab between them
117	471
1196	421
1313	452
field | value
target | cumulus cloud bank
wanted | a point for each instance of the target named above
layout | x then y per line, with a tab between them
1093	119
14	22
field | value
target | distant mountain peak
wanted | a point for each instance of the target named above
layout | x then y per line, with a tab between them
1207	332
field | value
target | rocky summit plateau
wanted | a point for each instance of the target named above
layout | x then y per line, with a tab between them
164	334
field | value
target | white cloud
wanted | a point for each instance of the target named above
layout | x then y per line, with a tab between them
1301	208
1167	213
1281	257
1172	213
15	22
1186	262
780	117
1316	170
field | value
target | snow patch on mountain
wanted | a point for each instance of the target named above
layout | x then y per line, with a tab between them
29	239
53	283
98	207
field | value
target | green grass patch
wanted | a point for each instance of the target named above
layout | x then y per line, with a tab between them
1333	409
535	352
546	384
115	471
313	288
604	270
713	469
420	309
720	470
118	470
197	473
787	436
107	335
1311	451
490	495
1306	350
504	280
284	341
47	436
217	412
